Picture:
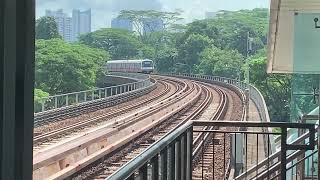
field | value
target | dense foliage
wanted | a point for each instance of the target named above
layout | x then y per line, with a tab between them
62	67
46	28
121	44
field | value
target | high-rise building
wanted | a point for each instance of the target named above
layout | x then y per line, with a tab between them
122	24
67	34
70	28
63	23
153	25
81	23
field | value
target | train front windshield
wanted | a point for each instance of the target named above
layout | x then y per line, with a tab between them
147	64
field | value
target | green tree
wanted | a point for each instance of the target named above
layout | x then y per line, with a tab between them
63	67
144	18
39	96
46	28
190	50
276	89
229	30
215	61
166	59
121	44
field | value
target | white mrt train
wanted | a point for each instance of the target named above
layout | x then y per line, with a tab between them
134	66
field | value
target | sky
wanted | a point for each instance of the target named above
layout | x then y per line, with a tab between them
104	10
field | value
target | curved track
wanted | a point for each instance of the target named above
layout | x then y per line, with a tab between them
112	162
208	156
194	98
54	135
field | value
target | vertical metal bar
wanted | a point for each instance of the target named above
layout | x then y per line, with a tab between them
105	92
117	90
67	100
312	167
92	95
56	102
283	153
77	98
189	153
257	155
143	172
155	167
85	96
163	161
224	154
172	162
42	106
202	157
17	22
213	146
246	154
183	156
99	93
296	172
178	159
268	151
235	154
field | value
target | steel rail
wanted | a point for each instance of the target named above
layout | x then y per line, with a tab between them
196	112
51	134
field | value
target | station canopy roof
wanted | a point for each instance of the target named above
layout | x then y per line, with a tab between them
294	37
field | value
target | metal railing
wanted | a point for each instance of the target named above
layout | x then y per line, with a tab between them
254	94
64	100
171	156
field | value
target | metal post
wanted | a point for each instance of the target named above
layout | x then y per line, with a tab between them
116	90
189	154
143	172
56	102
92	95
283	153
17	24
184	156
42	106
99	93
178	159
172	162
85	96
67	100
163	161
77	98
155	168
105	92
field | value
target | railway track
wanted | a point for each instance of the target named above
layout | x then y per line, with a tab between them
104	168
212	151
45	139
60	114
110	136
102	163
